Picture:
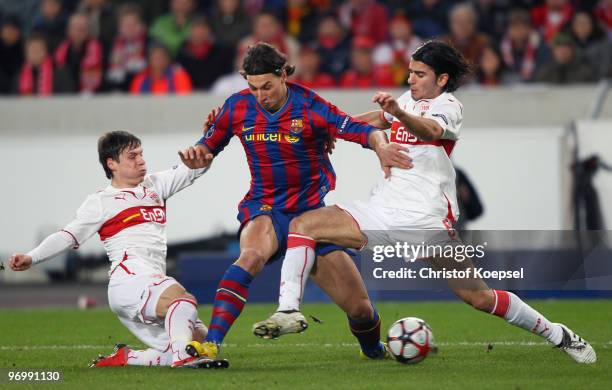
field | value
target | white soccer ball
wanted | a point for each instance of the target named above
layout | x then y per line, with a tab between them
410	340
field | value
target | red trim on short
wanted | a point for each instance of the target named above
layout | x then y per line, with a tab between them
295	240
449	213
502	303
76	242
179	300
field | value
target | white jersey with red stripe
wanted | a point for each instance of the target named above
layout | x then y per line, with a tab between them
131	222
429	187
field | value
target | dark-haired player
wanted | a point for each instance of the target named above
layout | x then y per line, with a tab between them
427	118
284	128
130	217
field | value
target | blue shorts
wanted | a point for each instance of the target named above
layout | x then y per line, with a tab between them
280	220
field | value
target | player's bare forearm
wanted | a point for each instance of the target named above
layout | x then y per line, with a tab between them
373	118
424	128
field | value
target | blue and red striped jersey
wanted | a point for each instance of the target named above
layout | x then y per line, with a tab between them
290	170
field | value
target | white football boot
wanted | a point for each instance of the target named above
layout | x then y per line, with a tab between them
280	323
577	348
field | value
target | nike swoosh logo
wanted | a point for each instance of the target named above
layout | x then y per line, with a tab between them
247	128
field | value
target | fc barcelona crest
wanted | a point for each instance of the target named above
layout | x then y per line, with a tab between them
297	125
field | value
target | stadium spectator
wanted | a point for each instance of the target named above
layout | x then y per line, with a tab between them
585	30
233	82
603	13
102	23
22	10
161	77
363	72
599	56
301	19
429	17
11	52
51	22
173	29
365	18
202	57
128	54
229	22
308	71
81	55
492	16
38	75
551	17
397	52
522	48
490	68
333	45
463	33
566	65
267	28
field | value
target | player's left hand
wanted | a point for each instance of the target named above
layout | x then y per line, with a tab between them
387	102
393	155
195	157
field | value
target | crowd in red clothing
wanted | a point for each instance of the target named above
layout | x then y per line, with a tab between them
177	46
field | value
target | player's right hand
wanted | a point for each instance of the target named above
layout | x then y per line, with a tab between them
393	155
196	157
210	119
20	262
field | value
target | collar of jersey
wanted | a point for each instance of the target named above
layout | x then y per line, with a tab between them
280	110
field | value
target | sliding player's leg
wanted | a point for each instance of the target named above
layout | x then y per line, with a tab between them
327	224
515	311
258	243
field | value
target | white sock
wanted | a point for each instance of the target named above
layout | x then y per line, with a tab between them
149	357
298	262
518	313
180	324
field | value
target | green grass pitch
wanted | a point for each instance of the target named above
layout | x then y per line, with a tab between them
326	355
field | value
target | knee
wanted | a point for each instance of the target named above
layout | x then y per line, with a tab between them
299	225
361	311
252	260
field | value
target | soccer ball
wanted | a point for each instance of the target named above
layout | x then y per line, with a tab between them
410	340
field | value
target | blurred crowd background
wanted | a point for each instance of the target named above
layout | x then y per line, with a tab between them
178	46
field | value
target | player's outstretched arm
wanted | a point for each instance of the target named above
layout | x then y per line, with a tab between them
424	128
373	118
51	246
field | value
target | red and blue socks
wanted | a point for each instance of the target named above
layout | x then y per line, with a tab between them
232	294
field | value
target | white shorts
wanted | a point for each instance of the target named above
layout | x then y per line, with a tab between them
134	300
385	225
